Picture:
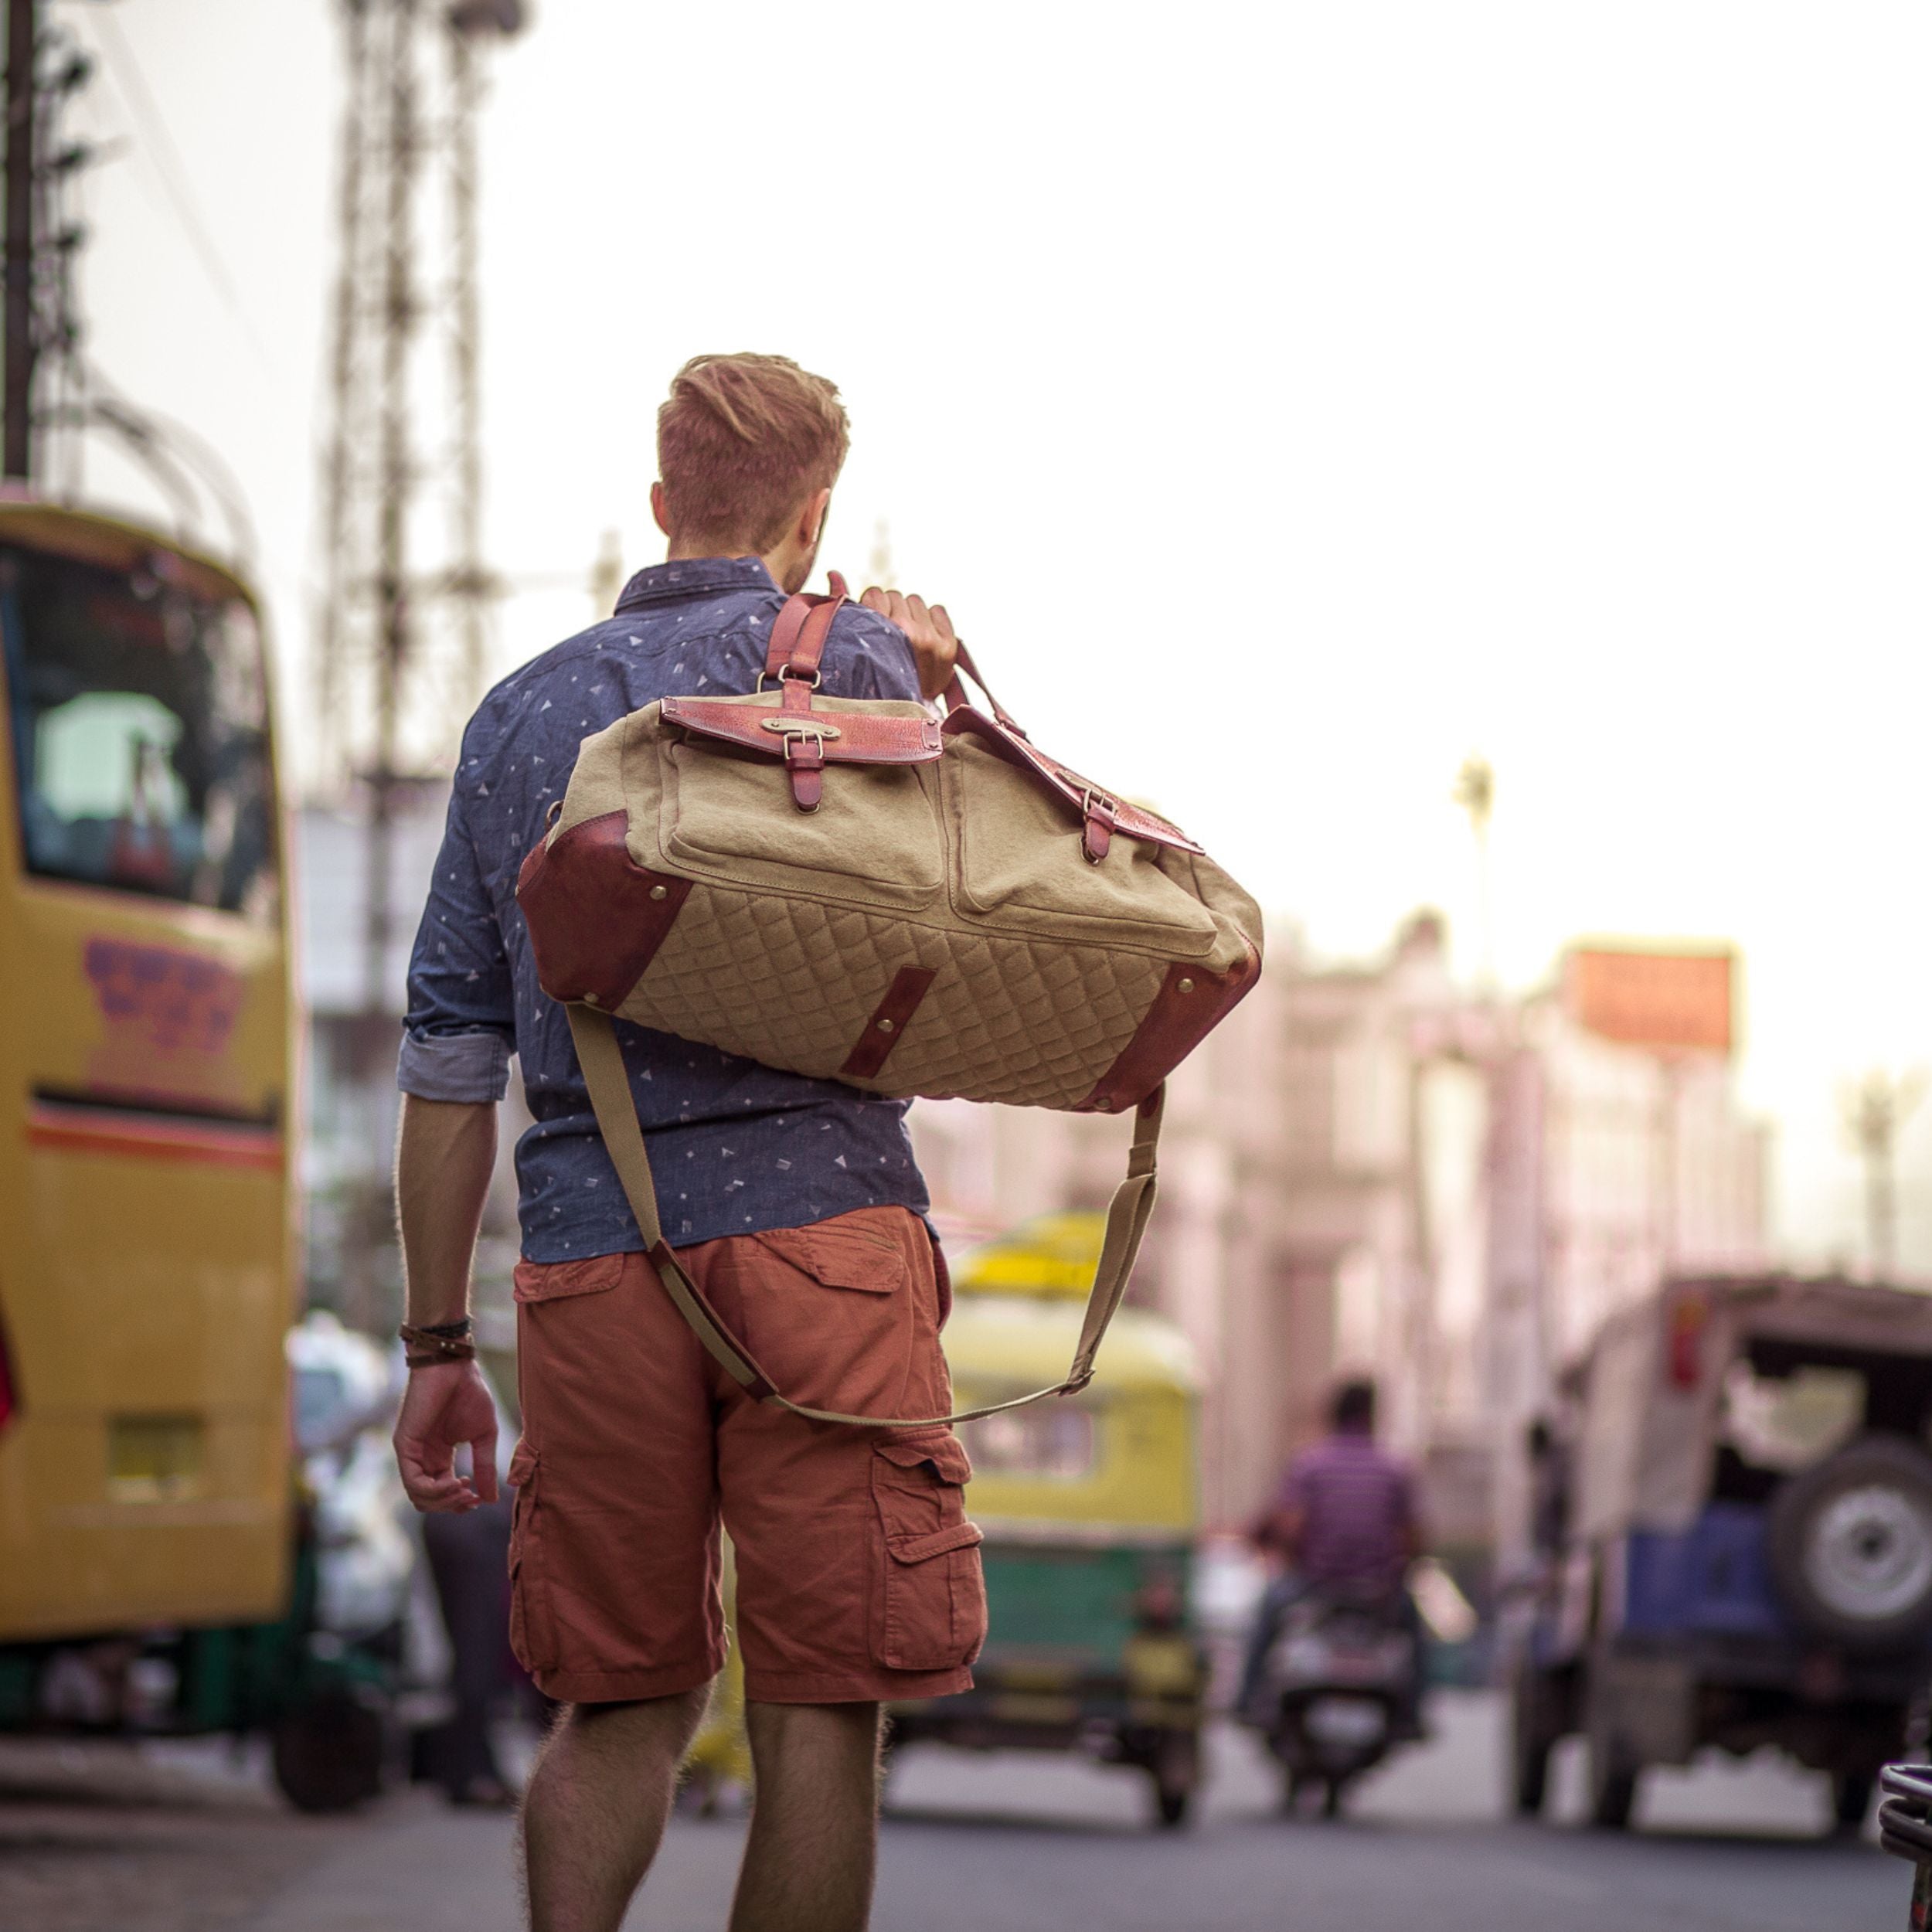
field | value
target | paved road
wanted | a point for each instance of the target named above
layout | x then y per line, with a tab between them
1008	1843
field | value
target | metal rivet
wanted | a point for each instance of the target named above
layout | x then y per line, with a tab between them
885	1026
590	999
658	892
1187	985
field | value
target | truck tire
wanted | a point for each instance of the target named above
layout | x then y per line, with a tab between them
1613	1786
1849	1545
1533	1737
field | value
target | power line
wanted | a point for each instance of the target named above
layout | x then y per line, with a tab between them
172	171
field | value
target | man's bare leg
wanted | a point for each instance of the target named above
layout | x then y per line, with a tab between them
596	1808
815	1819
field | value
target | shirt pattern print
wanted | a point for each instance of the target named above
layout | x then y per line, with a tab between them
736	1148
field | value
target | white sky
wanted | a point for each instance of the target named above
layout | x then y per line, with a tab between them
1287	399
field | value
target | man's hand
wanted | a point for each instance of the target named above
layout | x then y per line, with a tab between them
928	629
445	1404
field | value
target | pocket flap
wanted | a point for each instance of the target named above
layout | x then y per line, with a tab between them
523	1465
840	1257
916	1549
552	1280
946	1454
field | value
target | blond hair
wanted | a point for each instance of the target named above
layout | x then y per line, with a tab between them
742	441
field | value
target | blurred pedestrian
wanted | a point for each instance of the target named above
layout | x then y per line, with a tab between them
782	1194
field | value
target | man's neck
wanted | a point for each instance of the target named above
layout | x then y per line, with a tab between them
781	563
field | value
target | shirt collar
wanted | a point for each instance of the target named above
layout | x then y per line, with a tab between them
694	577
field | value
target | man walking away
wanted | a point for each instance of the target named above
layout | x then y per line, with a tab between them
796	1205
1344	1521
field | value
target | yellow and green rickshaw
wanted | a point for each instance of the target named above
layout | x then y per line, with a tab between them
1089	1506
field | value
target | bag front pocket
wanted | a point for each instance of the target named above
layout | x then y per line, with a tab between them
873	840
930	1602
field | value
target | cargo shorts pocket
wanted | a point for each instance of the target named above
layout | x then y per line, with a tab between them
531	1639
928	1604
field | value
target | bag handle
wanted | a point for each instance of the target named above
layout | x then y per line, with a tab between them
798	635
602	1061
955	692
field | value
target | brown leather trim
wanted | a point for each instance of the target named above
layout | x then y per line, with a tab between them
798	637
1063	781
886	1028
851	737
1171	1029
596	918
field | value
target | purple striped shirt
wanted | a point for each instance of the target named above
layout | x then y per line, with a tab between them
1357	1508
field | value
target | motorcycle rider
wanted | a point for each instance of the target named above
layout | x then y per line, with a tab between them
1344	1521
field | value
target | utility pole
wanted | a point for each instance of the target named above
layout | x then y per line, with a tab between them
1475	791
400	637
1875	1110
17	459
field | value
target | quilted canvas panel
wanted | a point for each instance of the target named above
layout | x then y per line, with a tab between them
793	983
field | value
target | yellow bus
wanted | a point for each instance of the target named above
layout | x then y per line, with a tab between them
147	1257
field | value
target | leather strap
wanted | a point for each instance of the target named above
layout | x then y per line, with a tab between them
798	637
955	692
602	1061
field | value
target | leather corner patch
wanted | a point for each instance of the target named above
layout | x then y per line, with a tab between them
597	917
1190	1004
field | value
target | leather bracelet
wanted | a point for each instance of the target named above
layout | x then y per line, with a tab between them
424	1348
458	1329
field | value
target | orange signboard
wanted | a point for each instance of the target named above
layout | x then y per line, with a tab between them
1666	1001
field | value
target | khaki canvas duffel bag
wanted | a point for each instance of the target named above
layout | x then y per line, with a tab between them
859	890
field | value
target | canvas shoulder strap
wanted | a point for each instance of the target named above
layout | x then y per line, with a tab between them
602	1064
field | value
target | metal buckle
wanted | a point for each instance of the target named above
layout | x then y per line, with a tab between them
1097	804
784	673
788	726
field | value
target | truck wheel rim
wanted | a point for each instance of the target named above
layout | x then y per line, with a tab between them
1870	1553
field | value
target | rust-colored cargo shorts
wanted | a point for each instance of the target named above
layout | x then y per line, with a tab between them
858	1573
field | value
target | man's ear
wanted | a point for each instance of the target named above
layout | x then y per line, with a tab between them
811	518
658	508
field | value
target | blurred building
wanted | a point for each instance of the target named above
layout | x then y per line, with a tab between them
352	1263
1368	1169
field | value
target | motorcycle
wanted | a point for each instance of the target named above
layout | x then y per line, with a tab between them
1338	1688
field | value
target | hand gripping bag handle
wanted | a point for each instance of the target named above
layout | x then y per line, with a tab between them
602	1061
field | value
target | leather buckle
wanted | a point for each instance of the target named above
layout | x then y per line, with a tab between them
1099	815
785	675
795	737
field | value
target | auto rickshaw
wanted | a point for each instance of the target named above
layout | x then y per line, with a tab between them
1736	1530
1089	1507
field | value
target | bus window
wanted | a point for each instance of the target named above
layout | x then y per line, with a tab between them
140	734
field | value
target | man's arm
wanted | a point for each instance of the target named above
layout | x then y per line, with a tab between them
453	1069
445	1153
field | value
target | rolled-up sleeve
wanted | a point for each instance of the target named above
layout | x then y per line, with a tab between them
461	1028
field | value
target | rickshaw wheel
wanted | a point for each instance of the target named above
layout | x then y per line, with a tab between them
1850	1799
330	1755
1176	1771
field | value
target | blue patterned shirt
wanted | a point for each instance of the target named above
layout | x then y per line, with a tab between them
736	1148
